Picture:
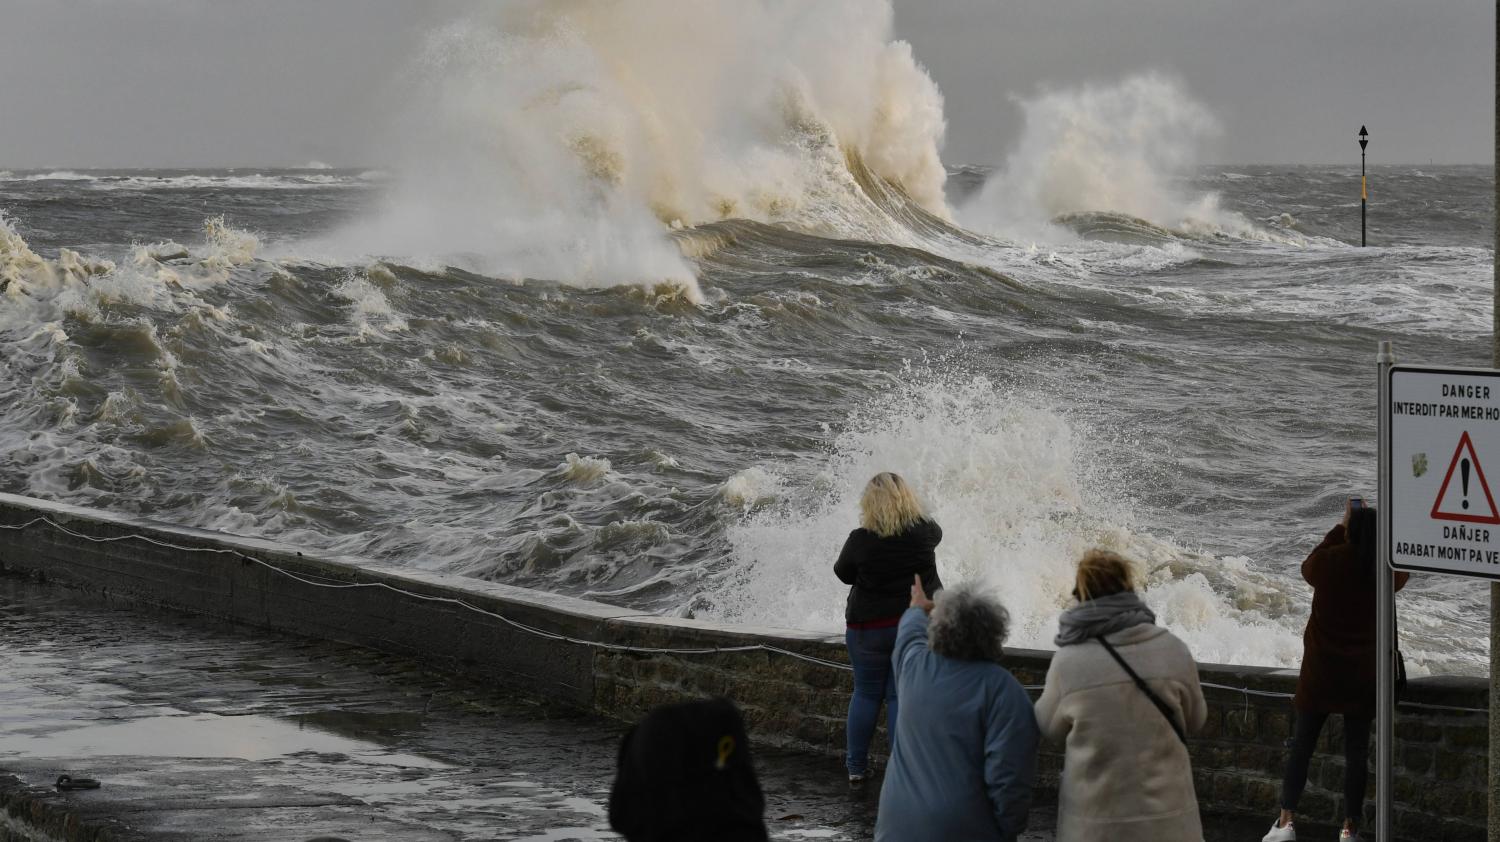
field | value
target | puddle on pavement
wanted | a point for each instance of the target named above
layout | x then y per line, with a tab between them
185	734
81	684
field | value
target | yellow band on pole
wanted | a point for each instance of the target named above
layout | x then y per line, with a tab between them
1364	189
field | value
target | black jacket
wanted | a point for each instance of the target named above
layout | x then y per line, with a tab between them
685	775
880	570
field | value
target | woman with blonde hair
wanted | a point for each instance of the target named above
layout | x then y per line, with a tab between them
895	541
1122	693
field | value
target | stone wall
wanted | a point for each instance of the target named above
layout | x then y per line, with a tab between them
594	657
1440	774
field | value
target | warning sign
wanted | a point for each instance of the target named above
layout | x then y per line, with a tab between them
1453	501
1445	427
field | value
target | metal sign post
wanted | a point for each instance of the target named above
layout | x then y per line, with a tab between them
1439	444
1385	610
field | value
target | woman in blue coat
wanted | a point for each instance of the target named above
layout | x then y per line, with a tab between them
966	734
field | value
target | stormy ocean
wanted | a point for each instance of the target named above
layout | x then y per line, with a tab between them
586	336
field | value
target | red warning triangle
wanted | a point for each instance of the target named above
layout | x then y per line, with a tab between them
1460	501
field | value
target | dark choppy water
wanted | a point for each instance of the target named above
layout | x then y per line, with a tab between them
1199	393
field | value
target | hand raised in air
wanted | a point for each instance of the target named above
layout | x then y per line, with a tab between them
919	595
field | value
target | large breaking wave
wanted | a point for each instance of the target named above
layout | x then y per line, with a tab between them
565	140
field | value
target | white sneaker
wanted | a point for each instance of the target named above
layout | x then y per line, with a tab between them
1280	833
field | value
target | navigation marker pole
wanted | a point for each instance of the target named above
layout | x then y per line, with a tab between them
1385	605
1364	189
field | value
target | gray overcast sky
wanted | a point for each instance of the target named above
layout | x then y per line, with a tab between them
282	82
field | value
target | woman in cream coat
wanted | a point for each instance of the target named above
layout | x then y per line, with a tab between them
1126	773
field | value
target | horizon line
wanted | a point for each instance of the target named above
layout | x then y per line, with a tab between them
325	167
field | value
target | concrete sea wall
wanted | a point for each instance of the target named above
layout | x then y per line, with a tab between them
620	663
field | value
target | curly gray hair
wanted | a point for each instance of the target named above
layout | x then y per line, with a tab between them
967	625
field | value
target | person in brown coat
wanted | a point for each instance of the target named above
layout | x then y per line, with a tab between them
1338	672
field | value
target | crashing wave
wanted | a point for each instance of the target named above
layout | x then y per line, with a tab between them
1113	227
751	488
566	140
584	470
36	289
25	273
225	247
1105	159
1011	481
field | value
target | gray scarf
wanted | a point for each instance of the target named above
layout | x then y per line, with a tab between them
1105	615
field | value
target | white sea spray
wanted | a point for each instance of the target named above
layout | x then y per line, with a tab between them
565	140
1010	481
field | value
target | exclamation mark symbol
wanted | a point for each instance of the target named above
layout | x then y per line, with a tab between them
1463	469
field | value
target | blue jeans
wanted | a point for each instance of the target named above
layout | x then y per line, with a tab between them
874	680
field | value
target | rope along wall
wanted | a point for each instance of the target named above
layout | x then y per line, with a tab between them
543	633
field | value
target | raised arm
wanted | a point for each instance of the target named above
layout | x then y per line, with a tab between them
1315	570
1010	740
911	632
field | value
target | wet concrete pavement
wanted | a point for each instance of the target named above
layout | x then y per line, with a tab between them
207	731
210	732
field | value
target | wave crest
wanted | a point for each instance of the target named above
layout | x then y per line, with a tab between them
25	273
563	140
35	289
1116	149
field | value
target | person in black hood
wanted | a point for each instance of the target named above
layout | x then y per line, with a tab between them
895	540
685	775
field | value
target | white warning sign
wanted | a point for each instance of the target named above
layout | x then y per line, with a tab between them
1457	500
1445	428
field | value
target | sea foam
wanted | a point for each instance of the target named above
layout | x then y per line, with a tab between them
1011	481
1115	148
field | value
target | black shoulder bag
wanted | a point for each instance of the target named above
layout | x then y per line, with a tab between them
1146	688
1398	672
